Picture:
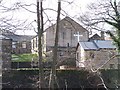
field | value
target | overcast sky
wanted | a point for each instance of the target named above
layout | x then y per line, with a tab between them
73	10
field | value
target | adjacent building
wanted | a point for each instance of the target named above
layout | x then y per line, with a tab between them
98	37
20	43
95	54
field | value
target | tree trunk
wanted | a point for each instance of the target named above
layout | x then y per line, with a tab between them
53	76
40	31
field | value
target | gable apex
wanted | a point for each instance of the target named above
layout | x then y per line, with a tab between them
76	26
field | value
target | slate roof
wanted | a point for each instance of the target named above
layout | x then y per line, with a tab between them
97	44
16	37
19	38
3	37
105	44
88	45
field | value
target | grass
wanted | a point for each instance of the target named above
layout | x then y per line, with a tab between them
24	57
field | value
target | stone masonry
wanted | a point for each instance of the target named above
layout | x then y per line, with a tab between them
6	54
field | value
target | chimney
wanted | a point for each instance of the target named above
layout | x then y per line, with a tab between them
102	35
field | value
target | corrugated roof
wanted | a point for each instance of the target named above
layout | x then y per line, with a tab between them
97	44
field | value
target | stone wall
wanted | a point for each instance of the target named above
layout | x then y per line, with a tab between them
20	49
68	28
6	53
97	58
66	39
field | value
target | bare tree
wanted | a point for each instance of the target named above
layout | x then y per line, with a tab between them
40	28
94	17
40	32
105	12
53	75
8	18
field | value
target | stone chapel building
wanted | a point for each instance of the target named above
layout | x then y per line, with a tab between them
70	32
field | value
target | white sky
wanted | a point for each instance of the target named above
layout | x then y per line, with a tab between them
72	10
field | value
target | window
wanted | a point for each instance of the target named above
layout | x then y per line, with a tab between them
111	66
63	35
68	45
111	54
92	55
24	45
66	25
77	55
13	44
61	54
33	44
36	42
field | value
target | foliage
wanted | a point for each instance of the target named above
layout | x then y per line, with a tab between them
111	77
24	57
20	79
116	24
67	61
73	79
66	78
28	78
